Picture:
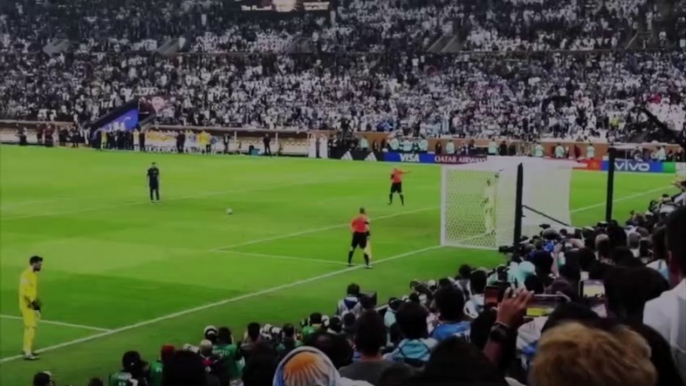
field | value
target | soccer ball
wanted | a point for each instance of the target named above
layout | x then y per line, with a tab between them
229	211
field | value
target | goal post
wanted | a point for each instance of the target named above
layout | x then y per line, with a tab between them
490	204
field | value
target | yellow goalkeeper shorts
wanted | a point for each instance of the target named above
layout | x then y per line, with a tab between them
29	316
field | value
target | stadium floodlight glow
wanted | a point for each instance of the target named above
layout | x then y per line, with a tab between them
479	200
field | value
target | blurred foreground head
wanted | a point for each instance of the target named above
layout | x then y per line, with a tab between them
574	354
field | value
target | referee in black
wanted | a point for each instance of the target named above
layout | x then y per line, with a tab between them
360	228
154	182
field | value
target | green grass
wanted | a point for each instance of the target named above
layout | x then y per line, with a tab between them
113	261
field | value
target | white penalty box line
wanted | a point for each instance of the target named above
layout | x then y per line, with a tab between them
144	323
189	311
56	323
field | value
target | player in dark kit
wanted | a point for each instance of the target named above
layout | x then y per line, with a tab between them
360	228
397	185
154	182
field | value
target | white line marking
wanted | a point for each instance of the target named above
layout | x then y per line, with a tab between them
63	324
625	198
144	201
296	258
219	303
315	230
278	288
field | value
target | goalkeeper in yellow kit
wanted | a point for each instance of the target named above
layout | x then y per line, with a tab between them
30	305
489	206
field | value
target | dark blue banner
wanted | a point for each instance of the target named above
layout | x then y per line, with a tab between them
634	166
427	158
128	119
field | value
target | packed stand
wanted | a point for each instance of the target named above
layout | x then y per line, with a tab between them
560	96
544	25
596	306
348	25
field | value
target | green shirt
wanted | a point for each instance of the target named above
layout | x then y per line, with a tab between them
156	374
450	148
423	145
122	378
395	144
282	347
538	150
227	353
364	144
407	145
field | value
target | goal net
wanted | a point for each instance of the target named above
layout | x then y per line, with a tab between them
479	201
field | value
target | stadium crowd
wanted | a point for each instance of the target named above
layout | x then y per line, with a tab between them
347	25
565	310
562	96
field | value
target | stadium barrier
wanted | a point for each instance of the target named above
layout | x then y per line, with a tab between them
431	158
298	139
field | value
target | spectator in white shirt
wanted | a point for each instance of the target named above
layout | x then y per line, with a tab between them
667	314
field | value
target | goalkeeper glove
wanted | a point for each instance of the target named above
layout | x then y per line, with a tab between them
36	304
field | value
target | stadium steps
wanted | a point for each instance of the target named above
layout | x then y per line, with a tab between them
444	44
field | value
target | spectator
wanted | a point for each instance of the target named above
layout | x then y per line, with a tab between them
252	337
157	368
667	313
450	304
185	369
603	248
475	305
308	366
456	362
635	244
134	369
625	299
660	356
415	347
370	337
289	341
44	378
350	301
335	347
573	354
260	367
396	376
228	355
96	382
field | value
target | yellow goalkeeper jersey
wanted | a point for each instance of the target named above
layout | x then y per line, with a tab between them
28	287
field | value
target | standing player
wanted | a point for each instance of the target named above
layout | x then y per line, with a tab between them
360	228
489	206
154	182
30	305
397	185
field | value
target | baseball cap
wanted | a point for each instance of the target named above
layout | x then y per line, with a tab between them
42	379
35	259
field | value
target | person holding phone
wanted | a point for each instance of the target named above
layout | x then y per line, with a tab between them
510	316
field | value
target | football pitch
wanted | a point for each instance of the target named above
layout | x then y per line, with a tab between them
121	274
